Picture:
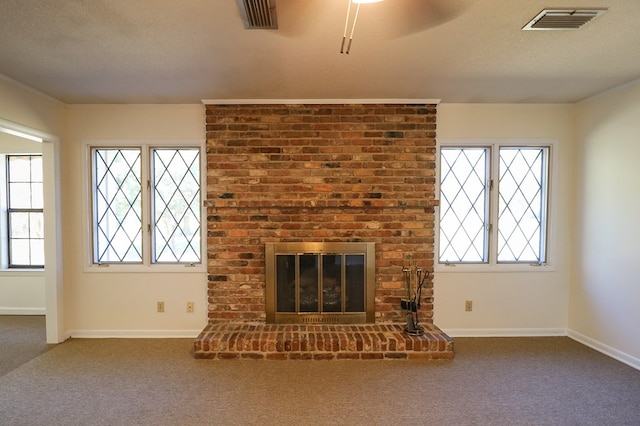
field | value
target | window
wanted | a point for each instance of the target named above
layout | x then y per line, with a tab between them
146	205
493	204
25	216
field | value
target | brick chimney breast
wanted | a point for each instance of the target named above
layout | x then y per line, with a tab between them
318	173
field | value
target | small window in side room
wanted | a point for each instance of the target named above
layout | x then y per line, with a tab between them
25	216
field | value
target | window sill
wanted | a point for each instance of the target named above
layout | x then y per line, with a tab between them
146	269
492	268
22	272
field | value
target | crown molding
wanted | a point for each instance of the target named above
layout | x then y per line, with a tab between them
319	101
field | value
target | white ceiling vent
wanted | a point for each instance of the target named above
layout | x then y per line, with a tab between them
563	19
258	14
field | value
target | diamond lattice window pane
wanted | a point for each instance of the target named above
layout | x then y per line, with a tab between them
463	204
521	206
176	205
117	205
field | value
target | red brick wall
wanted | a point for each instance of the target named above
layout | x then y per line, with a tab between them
278	173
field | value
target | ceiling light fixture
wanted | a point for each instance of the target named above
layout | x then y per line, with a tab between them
353	25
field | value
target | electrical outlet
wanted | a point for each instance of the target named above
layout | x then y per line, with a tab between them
189	307
160	306
468	305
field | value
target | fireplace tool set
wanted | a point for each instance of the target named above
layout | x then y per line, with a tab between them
412	303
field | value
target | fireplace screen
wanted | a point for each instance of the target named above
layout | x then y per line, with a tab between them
320	282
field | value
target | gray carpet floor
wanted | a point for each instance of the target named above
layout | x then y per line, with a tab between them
492	381
22	338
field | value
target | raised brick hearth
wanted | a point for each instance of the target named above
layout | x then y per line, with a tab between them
318	173
320	342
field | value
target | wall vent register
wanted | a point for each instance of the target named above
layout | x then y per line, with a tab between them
562	19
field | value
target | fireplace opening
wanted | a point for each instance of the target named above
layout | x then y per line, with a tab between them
320	283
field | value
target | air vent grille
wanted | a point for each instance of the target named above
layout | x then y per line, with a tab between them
319	319
258	14
562	19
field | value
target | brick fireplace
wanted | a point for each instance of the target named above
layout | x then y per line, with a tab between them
318	173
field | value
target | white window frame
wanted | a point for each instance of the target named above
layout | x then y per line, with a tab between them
494	162
32	209
88	224
4	226
5	271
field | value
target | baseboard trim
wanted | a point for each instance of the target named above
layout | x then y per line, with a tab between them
453	332
22	311
134	334
605	349
505	332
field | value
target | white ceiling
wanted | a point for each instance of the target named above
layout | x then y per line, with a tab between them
168	51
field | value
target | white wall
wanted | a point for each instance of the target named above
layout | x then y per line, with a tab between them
605	295
22	108
125	304
21	292
27	107
102	303
513	303
596	206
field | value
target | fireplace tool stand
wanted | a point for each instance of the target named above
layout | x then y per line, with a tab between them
412	303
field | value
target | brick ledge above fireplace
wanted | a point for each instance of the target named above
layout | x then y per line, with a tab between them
228	340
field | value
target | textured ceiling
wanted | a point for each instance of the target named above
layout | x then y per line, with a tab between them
167	51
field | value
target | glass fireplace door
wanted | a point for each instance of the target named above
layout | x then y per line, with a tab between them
309	287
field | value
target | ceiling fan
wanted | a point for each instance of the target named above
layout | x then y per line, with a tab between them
353	23
401	17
